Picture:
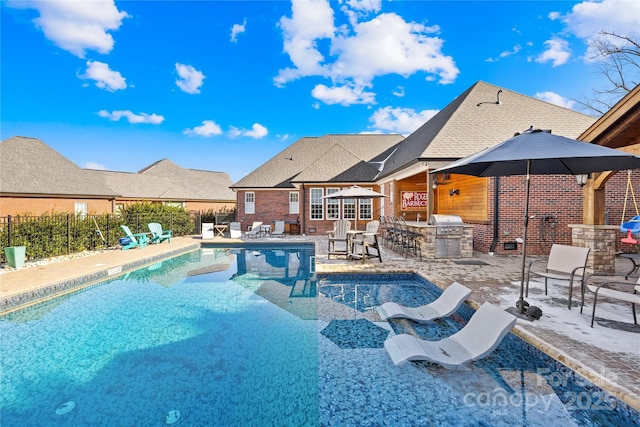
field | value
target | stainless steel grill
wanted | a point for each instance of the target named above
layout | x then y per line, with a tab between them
448	225
449	231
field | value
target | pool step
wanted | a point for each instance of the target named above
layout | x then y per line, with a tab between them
303	289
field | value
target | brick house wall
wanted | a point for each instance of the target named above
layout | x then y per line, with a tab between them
38	206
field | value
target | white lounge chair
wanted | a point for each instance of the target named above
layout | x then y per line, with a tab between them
445	305
278	229
255	229
338	235
235	230
477	339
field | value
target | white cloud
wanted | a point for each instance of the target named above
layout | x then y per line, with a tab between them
352	56
557	52
257	131
238	29
207	129
588	18
104	77
517	48
399	92
343	95
94	165
190	79
400	120
76	26
116	115
554	98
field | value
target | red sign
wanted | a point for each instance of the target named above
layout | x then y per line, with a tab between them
414	200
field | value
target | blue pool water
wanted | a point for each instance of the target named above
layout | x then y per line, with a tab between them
252	336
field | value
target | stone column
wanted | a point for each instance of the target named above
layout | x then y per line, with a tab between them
602	241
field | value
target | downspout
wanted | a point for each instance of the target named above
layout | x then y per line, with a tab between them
303	225
496	214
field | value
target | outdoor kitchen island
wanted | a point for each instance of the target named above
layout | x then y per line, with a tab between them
444	236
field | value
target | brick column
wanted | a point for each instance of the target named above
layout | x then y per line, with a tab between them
602	241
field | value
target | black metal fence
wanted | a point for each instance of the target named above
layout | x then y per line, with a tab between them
63	234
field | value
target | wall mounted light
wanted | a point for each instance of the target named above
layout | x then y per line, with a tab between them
582	179
456	191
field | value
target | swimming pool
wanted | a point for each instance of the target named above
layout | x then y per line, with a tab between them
250	335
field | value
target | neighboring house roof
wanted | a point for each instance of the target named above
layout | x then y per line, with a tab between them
475	120
199	184
330	158
29	166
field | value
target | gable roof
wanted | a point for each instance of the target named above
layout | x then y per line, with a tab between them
29	166
22	171
164	180
200	184
476	120
330	158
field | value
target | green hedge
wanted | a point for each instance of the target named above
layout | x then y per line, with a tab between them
57	234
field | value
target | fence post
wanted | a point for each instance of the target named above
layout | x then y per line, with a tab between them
10	231
68	235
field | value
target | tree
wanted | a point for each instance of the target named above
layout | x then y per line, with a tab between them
618	61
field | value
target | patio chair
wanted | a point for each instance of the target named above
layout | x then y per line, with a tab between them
235	230
338	235
255	230
133	240
476	340
368	242
564	263
445	305
158	235
616	289
278	229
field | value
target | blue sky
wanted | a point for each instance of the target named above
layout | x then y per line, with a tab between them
226	85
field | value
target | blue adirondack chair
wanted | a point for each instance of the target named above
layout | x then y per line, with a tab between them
132	240
158	235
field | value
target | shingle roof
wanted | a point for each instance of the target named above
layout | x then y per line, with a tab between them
164	180
474	120
199	184
330	158
29	166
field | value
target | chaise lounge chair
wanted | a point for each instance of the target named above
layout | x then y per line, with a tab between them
476	340
235	230
132	240
445	305
158	235
255	231
278	229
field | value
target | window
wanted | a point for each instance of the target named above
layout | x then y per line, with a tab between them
81	209
294	202
249	202
333	205
316	203
174	204
119	208
366	208
349	209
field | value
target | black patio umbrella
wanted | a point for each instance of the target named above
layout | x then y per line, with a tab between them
355	192
539	152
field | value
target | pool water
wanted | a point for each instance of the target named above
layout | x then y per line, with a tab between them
252	336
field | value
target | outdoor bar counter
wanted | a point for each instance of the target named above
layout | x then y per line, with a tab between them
429	239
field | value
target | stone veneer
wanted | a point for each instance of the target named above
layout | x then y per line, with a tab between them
602	241
427	240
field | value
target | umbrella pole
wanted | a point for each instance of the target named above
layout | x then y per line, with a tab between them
524	239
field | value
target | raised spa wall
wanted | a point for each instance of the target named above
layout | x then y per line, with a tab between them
427	240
